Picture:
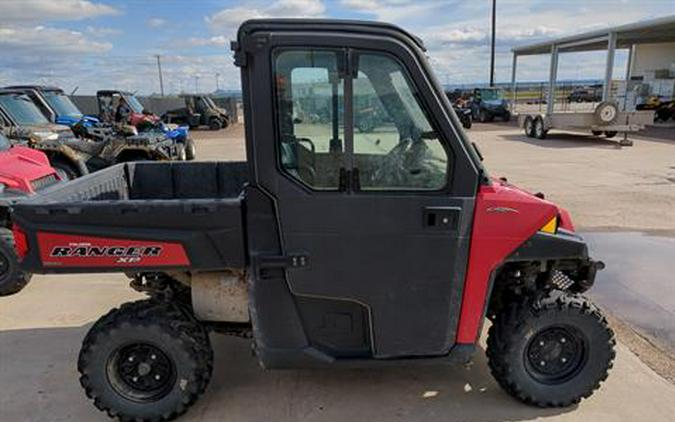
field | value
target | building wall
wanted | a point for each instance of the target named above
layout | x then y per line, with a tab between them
650	57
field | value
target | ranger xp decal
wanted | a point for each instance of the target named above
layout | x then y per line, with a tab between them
60	250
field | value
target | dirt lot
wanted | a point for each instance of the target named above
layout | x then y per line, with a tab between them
604	187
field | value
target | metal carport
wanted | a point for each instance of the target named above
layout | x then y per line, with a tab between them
653	31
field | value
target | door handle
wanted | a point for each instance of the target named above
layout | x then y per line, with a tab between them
442	218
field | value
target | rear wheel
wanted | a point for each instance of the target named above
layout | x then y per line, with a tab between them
596	132
146	361
12	279
610	134
552	352
507	116
539	129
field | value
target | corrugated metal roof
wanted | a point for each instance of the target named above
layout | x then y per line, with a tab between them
643	32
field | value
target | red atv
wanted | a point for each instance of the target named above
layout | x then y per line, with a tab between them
328	246
23	171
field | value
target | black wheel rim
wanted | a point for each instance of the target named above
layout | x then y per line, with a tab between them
556	354
4	265
141	372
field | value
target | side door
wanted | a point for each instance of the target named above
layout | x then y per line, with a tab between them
379	215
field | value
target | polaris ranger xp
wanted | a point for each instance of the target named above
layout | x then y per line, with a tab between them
328	247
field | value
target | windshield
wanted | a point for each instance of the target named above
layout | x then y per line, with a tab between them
491	94
133	102
210	102
62	104
22	110
4	143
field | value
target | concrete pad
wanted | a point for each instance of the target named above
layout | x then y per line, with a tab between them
41	330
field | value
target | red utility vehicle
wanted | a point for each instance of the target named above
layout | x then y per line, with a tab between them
329	246
23	171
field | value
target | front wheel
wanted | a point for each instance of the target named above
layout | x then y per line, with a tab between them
215	124
190	149
12	279
552	352
65	170
146	361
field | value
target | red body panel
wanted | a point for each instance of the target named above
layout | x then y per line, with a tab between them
19	166
504	218
62	250
136	119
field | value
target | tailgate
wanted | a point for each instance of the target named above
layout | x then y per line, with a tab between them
90	225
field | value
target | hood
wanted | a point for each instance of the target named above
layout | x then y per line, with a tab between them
45	132
20	166
494	103
564	218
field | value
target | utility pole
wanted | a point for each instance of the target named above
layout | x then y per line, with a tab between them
494	36
196	84
217	82
159	69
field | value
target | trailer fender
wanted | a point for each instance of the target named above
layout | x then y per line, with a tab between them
220	296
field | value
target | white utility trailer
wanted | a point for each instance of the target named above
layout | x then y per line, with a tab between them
609	117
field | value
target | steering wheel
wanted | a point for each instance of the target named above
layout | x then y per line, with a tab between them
393	169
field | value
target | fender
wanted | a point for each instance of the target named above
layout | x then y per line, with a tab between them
504	218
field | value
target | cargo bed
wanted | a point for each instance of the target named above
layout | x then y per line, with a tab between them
140	216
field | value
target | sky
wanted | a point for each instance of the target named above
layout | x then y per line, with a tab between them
103	44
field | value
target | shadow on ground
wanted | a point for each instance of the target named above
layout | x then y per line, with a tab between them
566	140
39	381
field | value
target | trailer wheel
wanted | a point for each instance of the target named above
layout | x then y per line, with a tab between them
528	126
12	279
146	361
552	352
539	129
610	134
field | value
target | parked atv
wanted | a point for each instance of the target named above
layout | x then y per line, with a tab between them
322	257
23	172
488	103
120	107
199	110
663	110
96	145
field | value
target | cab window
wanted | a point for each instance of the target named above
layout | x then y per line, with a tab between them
310	100
395	144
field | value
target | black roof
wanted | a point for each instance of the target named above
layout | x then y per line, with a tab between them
329	25
35	87
112	92
8	90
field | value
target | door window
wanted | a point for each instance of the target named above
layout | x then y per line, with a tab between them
310	100
395	145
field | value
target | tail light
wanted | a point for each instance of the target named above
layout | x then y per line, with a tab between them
20	242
